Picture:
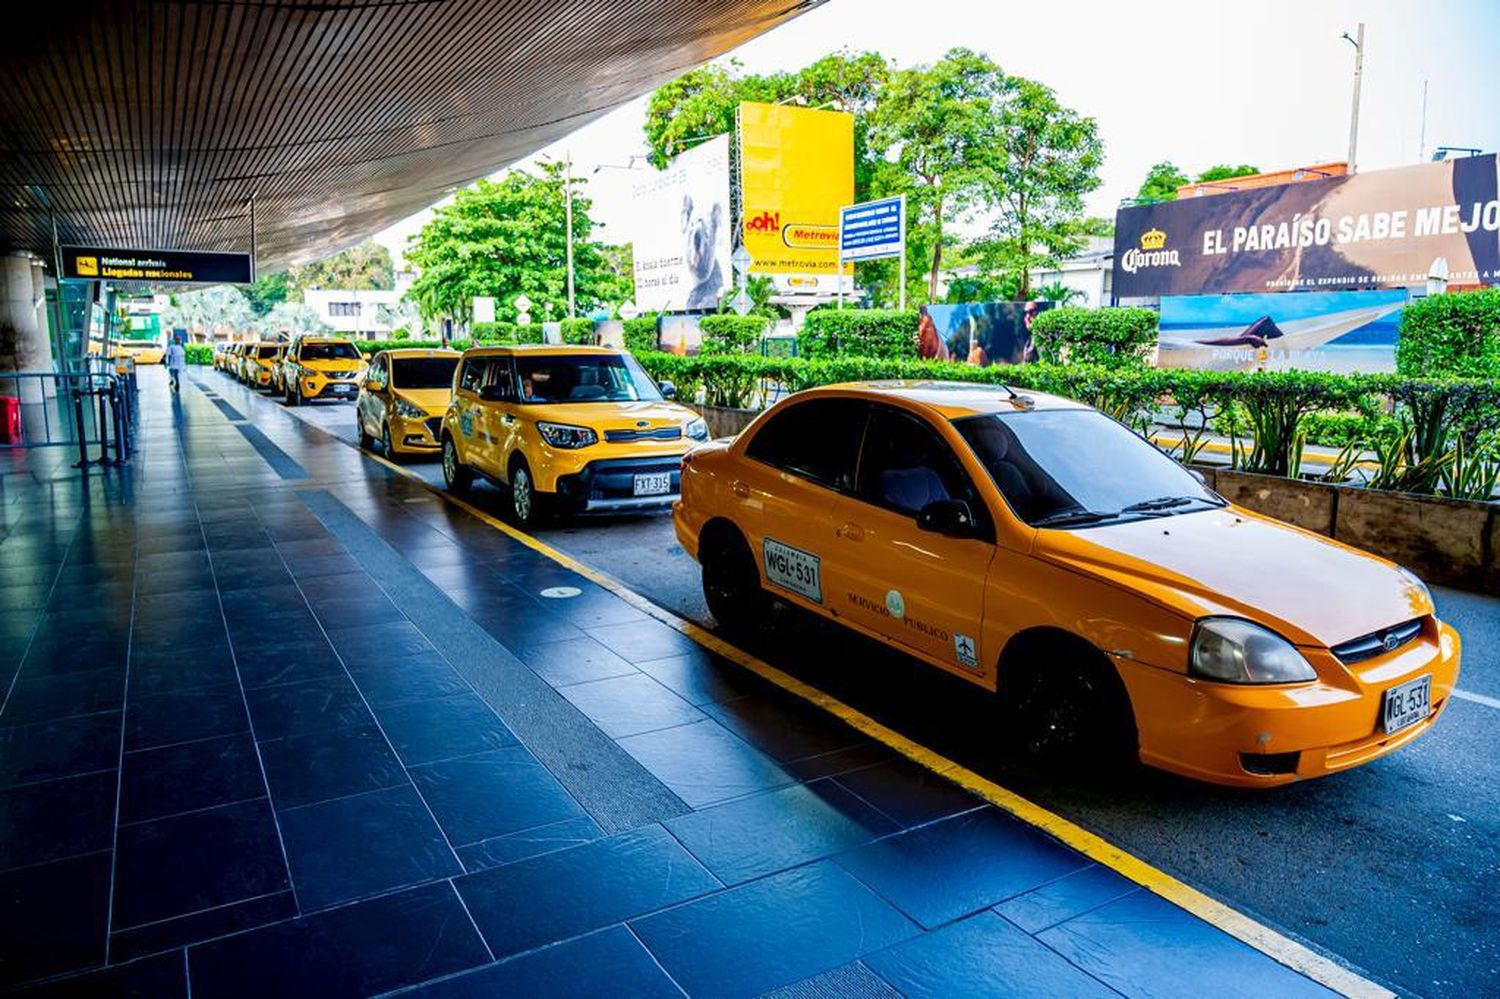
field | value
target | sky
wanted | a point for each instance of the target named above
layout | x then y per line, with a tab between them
1268	83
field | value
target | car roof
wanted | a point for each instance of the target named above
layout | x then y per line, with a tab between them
954	400
399	352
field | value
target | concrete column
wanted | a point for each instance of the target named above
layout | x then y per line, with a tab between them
39	292
23	343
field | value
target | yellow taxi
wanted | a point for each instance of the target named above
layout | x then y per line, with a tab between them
402	399
320	367
1043	551
140	351
565	429
259	362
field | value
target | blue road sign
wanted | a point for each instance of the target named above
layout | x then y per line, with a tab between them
873	229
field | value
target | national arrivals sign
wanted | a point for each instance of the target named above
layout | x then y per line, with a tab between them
95	263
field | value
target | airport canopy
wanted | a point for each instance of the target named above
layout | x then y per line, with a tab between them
153	123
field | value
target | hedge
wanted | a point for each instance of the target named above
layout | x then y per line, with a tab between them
577	331
641	333
496	332
1457	334
1111	337
732	334
882	333
199	353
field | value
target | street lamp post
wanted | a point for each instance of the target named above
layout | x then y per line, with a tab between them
568	221
1358	41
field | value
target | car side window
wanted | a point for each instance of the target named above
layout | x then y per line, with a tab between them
905	465
816	440
475	368
375	379
502	373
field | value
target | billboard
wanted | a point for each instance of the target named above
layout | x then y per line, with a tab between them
981	333
681	233
796	172
1382	229
1341	331
873	230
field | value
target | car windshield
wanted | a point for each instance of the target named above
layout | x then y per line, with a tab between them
266	352
329	352
1074	467
545	378
422	372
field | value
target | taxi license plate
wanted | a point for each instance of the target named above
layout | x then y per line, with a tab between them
653	484
1407	704
342	388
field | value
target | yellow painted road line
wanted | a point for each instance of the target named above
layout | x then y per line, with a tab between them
1281	948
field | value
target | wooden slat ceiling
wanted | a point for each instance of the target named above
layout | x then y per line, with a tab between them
151	123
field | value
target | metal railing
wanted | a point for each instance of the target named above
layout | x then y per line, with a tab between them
93	409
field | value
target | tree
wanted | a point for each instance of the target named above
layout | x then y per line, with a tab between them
267	291
364	267
291	317
221	310
1162	182
1225	172
505	238
1058	292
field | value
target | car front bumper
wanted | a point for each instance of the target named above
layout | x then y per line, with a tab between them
414	436
319	387
608	485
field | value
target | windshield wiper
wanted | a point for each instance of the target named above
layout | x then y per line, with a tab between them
1159	503
1065	518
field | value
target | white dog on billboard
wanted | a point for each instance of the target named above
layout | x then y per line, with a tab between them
701	253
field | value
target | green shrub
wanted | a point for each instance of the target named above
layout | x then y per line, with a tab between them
1109	337
886	333
496	332
577	331
641	333
732	334
1457	334
199	353
530	333
400	333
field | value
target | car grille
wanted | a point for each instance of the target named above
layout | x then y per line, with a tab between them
340	374
658	434
1377	643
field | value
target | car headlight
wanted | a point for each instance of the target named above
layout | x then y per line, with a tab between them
406	410
697	429
1415	581
1233	650
565	436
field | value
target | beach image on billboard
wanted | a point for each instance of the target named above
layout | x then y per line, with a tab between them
1340	331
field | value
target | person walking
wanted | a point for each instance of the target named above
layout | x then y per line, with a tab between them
176	361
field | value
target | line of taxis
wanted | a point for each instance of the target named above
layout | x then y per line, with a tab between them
1027	543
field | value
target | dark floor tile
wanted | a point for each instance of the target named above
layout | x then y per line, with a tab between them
146	565
262	665
310	548
206	924
184	715
492	794
366	611
611	962
174	866
163	673
444	727
764	833
362	845
700	677
908	793
500	850
576	661
783	728
592	608
642	641
560	895
840	761
1060	900
63	748
312	566
852	979
195	583
234	574
960	865
65	650
49	698
515	627
161	977
356	950
980	956
53	917
379	641
409	678
329	763
1142	944
189	776
309	706
629	705
703	763
771	932
56	818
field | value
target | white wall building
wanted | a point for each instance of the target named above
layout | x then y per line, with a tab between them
352	311
1089	273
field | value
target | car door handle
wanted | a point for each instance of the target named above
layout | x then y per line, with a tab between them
851	532
739	488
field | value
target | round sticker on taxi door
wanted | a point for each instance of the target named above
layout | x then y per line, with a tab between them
895	603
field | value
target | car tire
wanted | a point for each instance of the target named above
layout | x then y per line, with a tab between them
731	582
366	442
456	475
294	397
387	446
527	505
1066	708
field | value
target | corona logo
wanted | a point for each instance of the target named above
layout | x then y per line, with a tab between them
1152	253
764	222
1153	239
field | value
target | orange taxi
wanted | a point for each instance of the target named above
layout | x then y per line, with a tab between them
1036	547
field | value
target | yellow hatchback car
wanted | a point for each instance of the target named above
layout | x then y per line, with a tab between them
402	399
259	363
320	367
1041	550
566	429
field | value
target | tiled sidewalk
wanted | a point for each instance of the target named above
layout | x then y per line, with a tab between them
283	722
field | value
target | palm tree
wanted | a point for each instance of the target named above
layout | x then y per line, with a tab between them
1058	292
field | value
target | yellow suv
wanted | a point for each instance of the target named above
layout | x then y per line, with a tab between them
572	429
402	399
260	361
320	367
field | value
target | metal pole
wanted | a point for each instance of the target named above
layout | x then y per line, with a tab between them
1358	41
901	293
252	236
568	211
1422	142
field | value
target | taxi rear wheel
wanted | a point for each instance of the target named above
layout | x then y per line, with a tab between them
731	582
1066	707
456	475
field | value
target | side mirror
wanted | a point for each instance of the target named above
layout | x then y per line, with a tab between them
668	390
951	517
493	393
365	355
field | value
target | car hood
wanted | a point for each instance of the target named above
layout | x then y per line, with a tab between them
613	415
1310	589
433	401
342	364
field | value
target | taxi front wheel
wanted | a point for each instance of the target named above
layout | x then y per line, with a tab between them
731	582
527	505
456	475
1066	707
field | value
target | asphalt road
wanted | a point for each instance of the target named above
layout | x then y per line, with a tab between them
1392	867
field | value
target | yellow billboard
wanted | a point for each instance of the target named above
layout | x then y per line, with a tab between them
796	172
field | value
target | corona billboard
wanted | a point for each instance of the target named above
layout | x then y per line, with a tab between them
796	172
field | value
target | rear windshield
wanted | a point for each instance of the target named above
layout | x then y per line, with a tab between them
422	372
329	352
548	378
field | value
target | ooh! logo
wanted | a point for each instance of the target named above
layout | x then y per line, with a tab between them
764	222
